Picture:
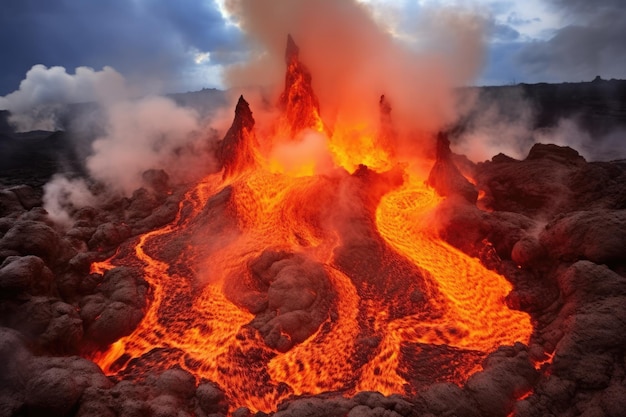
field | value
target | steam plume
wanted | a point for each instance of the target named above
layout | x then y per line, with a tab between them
355	58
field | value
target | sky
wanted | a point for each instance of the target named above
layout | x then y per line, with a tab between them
165	46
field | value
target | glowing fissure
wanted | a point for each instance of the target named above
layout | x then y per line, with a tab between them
275	285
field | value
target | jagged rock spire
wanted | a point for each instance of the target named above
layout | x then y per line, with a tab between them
386	131
445	177
238	148
298	103
292	51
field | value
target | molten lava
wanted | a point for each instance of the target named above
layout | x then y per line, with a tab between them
275	285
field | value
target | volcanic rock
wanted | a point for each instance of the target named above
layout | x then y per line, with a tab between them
296	295
49	323
466	227
162	214
211	399
25	273
528	252
117	308
598	236
538	185
238	148
157	181
560	154
177	382
376	270
585	282
448	400
108	236
56	384
508	374
53	393
29	237
446	178
14	360
298	102
386	132
9	204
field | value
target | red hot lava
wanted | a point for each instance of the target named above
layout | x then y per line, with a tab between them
276	282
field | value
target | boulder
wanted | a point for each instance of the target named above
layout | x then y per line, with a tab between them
598	236
117	308
29	237
108	236
508	374
25	274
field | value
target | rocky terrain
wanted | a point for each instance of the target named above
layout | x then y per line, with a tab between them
553	224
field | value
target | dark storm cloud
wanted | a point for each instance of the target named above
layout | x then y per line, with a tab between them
145	39
592	43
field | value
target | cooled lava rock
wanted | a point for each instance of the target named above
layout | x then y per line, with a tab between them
445	177
237	149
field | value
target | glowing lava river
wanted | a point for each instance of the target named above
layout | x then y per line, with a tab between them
273	282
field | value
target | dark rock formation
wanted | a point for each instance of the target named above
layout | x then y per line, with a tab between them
238	148
116	307
446	178
290	295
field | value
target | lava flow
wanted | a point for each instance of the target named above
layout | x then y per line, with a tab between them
275	282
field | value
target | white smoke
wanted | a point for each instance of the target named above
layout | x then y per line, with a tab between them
142	134
37	103
131	134
502	124
63	195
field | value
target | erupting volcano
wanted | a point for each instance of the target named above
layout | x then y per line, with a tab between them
277	281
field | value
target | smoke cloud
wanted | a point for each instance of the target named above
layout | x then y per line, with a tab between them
62	195
590	44
354	58
130	135
497	125
37	104
305	156
142	134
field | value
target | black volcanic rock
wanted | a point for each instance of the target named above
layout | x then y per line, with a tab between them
25	274
238	148
537	185
29	237
446	178
508	373
290	295
109	235
598	236
116	308
560	154
465	226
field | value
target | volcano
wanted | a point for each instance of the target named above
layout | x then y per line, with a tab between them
279	285
338	288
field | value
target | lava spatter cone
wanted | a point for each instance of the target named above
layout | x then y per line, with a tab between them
275	285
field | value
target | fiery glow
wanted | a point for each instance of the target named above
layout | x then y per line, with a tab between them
277	280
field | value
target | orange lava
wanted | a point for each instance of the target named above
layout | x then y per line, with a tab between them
366	342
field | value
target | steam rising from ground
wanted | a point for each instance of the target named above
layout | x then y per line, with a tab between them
498	126
131	134
415	56
62	194
142	134
354	59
